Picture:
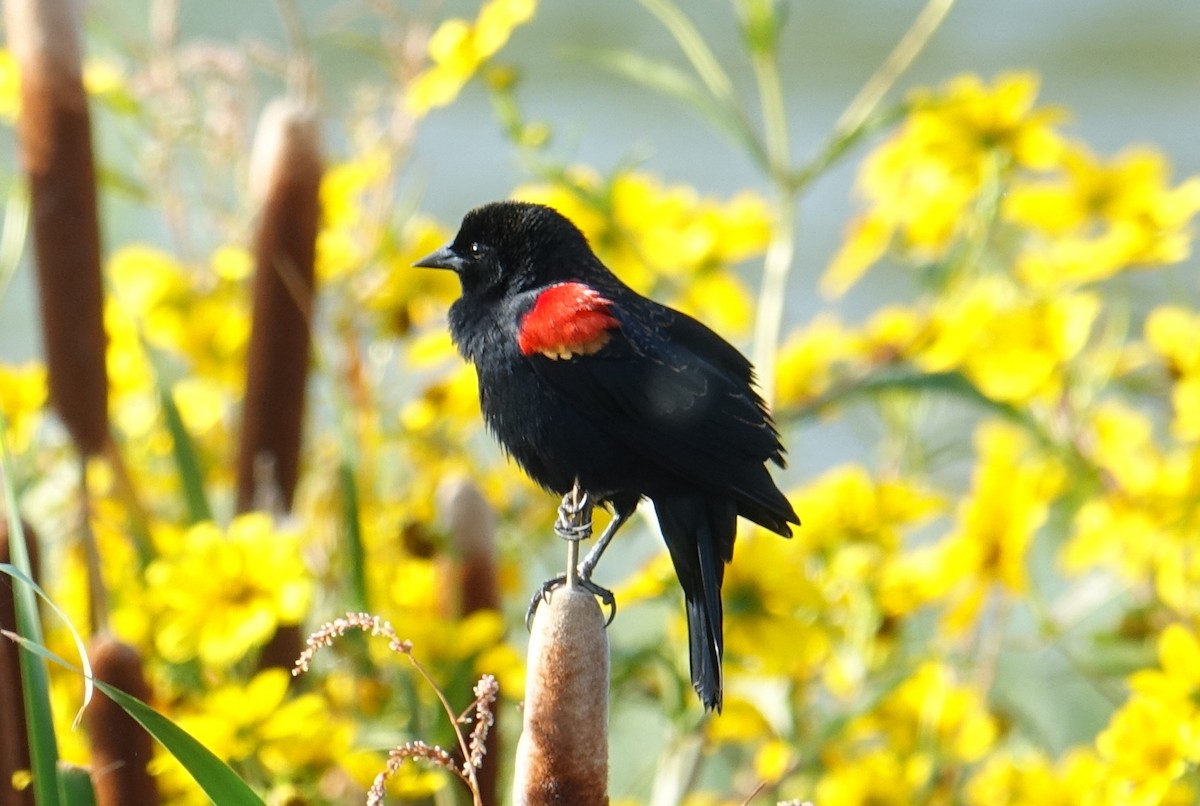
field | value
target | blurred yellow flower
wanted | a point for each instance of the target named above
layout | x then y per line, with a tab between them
808	359
256	723
1016	350
1030	779
878	777
922	186
212	598
1173	333
1012	490
103	77
653	234
459	48
773	760
1098	218
23	393
10	87
408	297
194	314
1147	747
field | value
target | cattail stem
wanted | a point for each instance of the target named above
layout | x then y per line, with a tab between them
286	174
121	748
14	740
56	153
562	755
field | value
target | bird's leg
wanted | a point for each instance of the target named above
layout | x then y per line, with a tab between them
573	524
589	562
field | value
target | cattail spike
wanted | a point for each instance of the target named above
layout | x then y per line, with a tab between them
121	748
286	176
563	749
471	522
56	153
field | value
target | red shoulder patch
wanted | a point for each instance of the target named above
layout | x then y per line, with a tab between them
567	319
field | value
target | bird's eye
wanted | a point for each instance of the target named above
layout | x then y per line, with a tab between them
476	249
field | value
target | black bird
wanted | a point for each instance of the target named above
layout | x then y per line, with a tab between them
581	378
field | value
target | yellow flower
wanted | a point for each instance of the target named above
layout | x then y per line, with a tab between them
1015	350
200	316
458	49
968	118
408	297
23	393
10	86
773	760
1099	218
350	233
922	186
650	233
1173	333
1009	502
809	358
1178	680
212	598
878	777
1147	746
1030	779
254	723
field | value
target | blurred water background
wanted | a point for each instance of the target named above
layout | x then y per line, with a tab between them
1129	71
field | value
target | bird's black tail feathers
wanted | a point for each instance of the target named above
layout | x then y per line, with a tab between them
699	533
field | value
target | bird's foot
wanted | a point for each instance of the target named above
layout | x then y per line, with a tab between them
574	521
542	594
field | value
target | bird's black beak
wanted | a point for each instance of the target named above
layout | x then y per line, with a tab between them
444	258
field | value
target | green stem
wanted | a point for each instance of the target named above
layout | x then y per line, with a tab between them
772	294
899	60
781	251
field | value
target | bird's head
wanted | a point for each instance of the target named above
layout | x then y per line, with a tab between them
509	246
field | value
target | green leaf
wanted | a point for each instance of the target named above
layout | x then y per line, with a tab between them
187	460
35	685
215	777
75	784
352	524
694	47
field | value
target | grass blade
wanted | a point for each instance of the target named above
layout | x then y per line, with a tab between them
75	783
214	776
187	460
43	747
706	65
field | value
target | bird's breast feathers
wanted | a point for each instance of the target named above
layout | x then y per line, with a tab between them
566	320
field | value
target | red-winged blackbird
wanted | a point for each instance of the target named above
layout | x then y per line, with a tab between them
582	378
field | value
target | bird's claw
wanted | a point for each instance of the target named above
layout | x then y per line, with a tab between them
574	521
542	594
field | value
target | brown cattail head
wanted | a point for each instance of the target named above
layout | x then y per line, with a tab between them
121	748
471	522
56	153
562	755
286	175
14	742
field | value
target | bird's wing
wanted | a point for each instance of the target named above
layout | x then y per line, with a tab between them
663	384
